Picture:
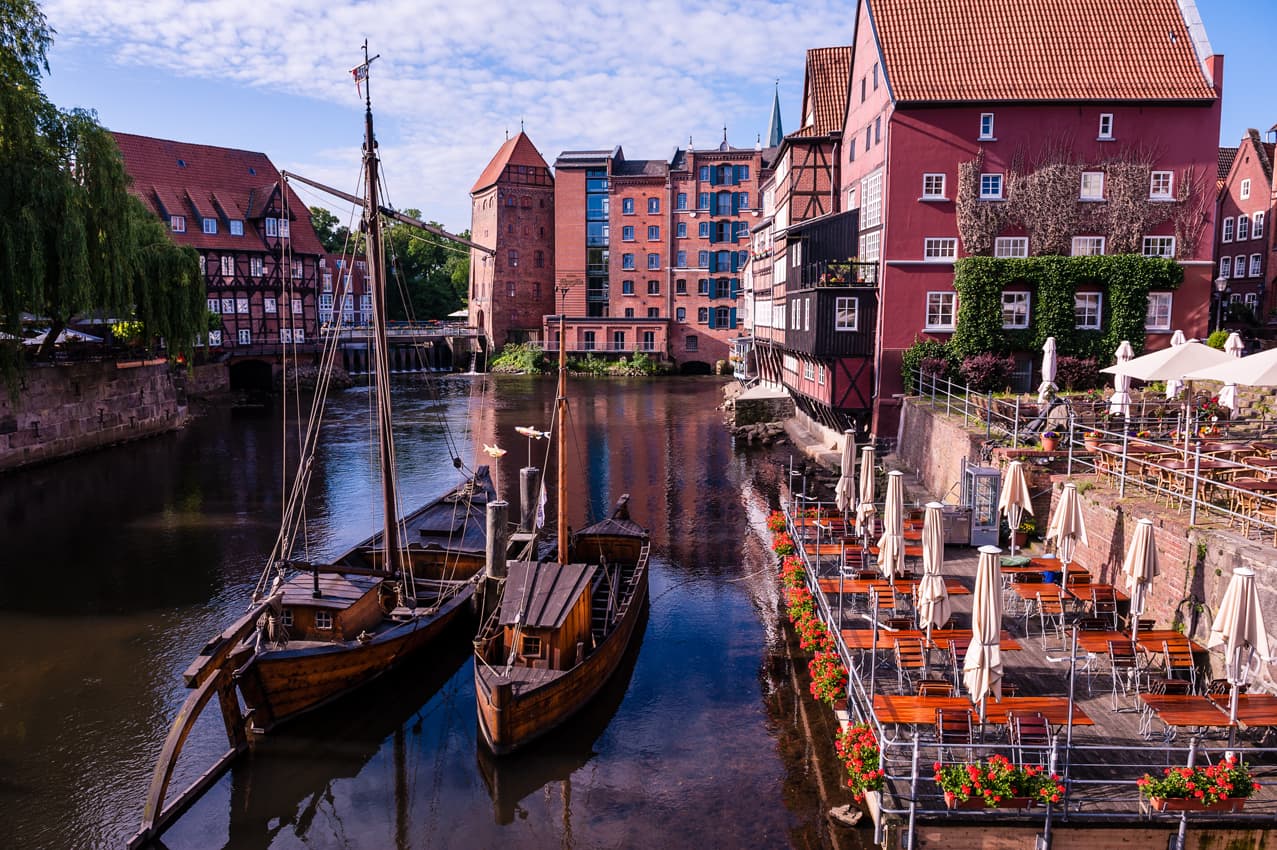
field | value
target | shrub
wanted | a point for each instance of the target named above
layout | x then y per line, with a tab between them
933	352
1217	339
987	372
1077	373
515	357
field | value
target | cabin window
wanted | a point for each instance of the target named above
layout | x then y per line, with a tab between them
323	620
531	646
286	618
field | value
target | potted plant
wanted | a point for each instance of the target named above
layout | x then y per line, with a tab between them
792	573
783	544
1092	440
997	783
1050	440
1023	530
1221	787
776	522
828	676
857	748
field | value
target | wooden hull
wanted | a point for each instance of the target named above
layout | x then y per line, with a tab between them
280	684
510	720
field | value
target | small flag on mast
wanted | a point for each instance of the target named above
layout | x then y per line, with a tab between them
360	73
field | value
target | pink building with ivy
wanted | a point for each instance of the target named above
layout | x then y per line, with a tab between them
1020	128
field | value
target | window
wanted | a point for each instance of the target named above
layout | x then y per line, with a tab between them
681	258
1088	246
627	233
703	173
1092	188
692	343
653	313
702	286
202	263
990	187
323	620
1015	310
1226	233
1159	246
1244	191
210	224
1158	317
228	266
237	227
297	269
864	88
513	257
540	260
1255	260
326	308
214	306
680	315
940	310
680	203
1106	125
875	75
846	314
1160	185
680	286
627	206
871	200
809	370
653	261
680	230
285	334
702	230
702	201
653	232
228	305
986	125
299	335
268	304
245	336
272	227
939	250
1239	265
215	337
241	305
627	261
510	290
1251	300
627	287
702	259
653	206
806	314
1225	266
1086	310
870	244
1243	228
618	338
653	287
702	315
933	186
1257	225
878	130
587	340
868	138
177	223
778	316
283	228
1011	246
742	173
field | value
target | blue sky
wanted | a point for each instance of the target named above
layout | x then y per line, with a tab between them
455	77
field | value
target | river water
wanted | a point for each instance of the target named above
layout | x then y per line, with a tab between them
117	566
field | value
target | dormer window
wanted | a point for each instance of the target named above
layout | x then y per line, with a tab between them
986	126
177	223
272	227
1106	125
237	227
210	225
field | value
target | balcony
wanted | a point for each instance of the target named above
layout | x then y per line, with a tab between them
839	273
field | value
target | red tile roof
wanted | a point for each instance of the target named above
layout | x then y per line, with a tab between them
517	150
180	178
1006	50
825	88
1226	157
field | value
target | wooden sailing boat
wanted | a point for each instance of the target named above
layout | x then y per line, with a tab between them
561	629
317	631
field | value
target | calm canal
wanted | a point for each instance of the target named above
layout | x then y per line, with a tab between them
119	565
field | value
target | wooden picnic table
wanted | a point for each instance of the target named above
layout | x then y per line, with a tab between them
1186	710
921	711
910	551
863	587
1029	590
1151	641
862	638
1252	709
1082	591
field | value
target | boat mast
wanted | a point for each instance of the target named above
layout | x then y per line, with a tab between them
561	402
381	359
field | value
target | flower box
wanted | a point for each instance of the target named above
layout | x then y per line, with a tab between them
1189	804
975	803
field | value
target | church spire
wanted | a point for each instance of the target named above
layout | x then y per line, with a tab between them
775	133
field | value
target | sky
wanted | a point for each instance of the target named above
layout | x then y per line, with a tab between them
454	78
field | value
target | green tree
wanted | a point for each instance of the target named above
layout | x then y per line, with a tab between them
431	271
333	235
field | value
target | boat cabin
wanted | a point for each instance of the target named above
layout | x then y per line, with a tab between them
346	606
616	539
545	613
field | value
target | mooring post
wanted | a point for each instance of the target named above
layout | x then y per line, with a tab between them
529	497
498	539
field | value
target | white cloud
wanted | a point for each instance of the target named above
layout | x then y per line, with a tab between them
455	76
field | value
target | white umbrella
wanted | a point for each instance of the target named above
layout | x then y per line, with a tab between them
982	667
891	546
1235	347
1239	628
1140	568
845	492
1174	386
1067	527
1015	500
1048	370
67	335
865	508
1120	403
932	595
1169	363
1257	370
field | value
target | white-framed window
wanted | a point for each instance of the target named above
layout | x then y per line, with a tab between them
283	227
177	223
1239	265
1106	125
941	311
809	370
1092	186
237	227
871	200
778	316
1257	225
796	318
286	617
986	125
1158	317
245	336
228	266
1086	310
323	620
268	304
328	282
241	305
256	266
202	263
789	363
286	335
820	374
299	335
1161	185
326	307
1226	230
209	224
1251	300
1088	246
807	314
990	187
933	187
228	305
214	306
870	248
1244	191
272	227
1015	310
297	269
846	313
1011	246
1225	267
1243	227
1255	261
215	337
1159	246
939	250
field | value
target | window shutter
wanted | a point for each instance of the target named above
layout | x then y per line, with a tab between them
731	317
713	234
735	203
713	181
734	287
711	321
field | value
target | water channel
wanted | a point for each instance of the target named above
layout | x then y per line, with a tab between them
119	565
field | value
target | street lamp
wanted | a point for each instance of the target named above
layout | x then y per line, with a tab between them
1221	289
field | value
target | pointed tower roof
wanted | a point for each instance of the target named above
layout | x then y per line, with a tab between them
518	150
775	133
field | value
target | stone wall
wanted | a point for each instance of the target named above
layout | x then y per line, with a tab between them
208	379
751	411
934	446
65	409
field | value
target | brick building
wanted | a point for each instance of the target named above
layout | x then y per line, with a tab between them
1243	232
258	250
1012	89
512	211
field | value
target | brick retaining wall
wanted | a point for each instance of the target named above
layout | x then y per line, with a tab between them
934	447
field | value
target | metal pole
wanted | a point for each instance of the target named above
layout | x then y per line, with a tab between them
913	795
842	577
1015	426
1121	475
1069	467
948	396
1197	473
1068	732
988	415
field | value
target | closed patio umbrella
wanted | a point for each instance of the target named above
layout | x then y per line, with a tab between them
1239	628
845	492
1174	386
1140	568
1014	500
1067	527
891	546
932	596
1235	347
982	667
1048	371
1120	403
865	507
